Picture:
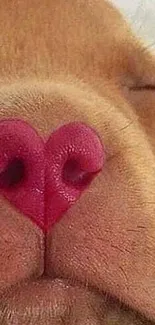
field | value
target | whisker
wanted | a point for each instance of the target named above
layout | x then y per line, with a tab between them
127	126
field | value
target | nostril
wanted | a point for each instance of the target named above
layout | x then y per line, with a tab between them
74	175
13	174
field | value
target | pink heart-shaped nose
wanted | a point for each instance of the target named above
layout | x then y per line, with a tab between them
44	180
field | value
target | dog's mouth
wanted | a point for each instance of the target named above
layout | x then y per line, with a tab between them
57	302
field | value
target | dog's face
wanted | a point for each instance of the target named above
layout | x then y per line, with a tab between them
74	79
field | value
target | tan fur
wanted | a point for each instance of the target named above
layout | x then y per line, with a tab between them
77	60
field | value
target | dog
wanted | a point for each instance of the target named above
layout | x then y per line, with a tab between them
77	243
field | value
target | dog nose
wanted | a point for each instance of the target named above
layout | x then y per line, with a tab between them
43	180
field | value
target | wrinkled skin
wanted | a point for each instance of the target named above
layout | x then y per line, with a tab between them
77	60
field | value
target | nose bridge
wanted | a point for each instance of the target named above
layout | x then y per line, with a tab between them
48	104
42	179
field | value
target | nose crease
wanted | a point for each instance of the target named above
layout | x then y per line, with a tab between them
43	180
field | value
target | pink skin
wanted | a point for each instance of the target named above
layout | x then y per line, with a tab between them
44	180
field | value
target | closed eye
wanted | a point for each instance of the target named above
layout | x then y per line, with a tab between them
143	87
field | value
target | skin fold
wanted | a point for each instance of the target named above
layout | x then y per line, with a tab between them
78	61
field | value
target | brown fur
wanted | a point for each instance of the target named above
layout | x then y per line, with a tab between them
77	60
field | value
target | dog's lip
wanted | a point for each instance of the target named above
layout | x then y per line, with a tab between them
42	300
27	299
52	299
